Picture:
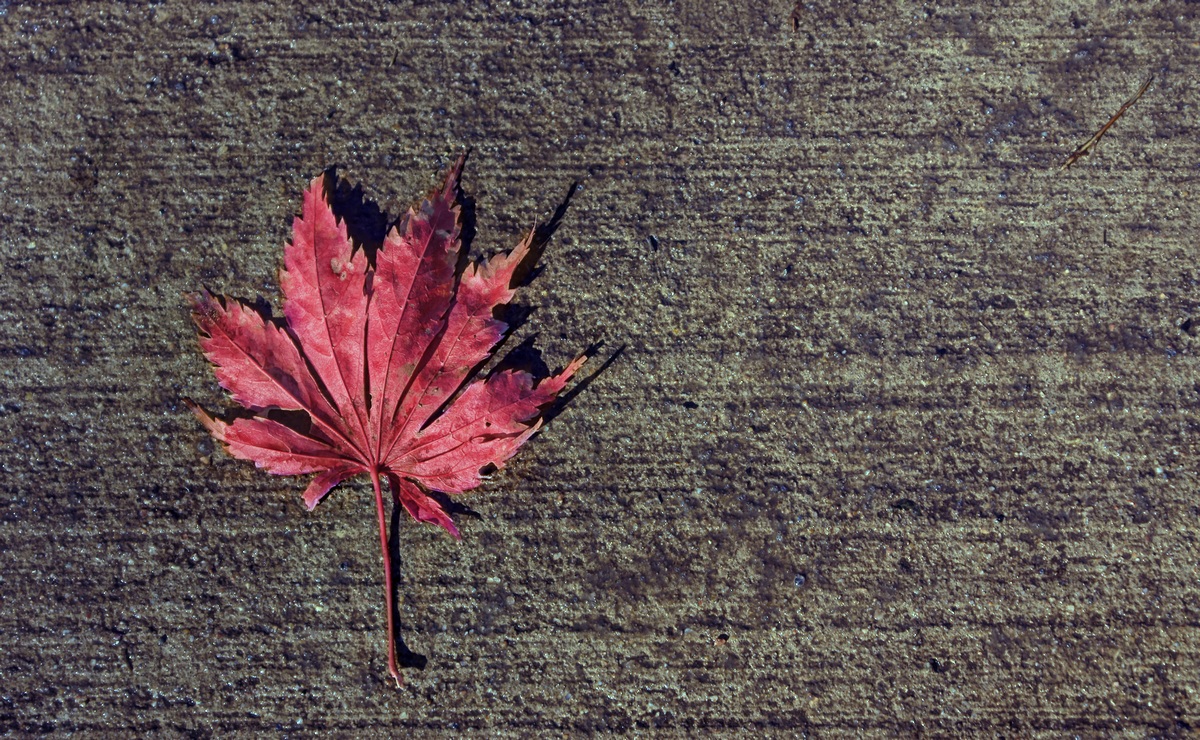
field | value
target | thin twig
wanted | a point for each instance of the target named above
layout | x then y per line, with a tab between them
1087	146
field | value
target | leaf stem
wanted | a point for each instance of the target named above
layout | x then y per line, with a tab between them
387	580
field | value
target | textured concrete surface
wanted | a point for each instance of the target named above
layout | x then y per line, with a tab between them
902	439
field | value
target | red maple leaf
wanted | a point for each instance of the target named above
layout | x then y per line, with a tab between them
377	355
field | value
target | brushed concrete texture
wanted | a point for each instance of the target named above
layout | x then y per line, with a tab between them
902	439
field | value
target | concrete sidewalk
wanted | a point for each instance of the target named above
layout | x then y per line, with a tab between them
901	440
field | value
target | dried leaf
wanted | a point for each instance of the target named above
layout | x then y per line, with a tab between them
379	359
